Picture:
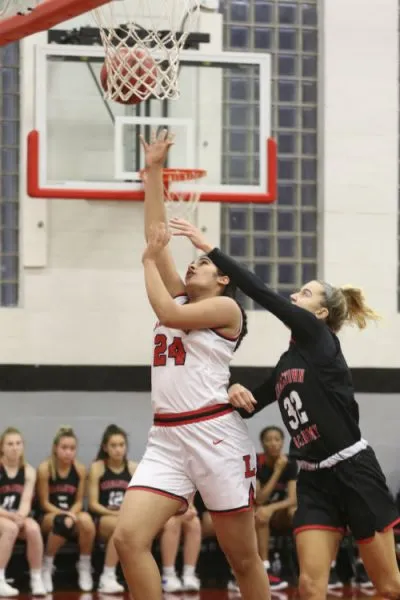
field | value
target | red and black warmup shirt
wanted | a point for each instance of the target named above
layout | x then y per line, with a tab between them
311	382
112	487
280	491
63	490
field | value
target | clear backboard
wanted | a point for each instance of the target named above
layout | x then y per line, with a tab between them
83	147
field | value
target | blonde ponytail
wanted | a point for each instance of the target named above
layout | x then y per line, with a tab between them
346	304
358	312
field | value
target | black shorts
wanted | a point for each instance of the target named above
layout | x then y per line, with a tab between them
353	495
199	505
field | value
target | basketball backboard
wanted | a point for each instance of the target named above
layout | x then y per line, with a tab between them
85	147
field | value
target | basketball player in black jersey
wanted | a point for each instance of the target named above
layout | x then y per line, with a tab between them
17	486
340	483
109	477
61	488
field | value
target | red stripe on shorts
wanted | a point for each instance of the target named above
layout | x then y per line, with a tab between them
384	530
192	416
153	490
320	527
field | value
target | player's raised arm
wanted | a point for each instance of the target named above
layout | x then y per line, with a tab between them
220	312
302	323
154	206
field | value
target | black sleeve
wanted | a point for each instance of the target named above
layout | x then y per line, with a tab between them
303	324
264	394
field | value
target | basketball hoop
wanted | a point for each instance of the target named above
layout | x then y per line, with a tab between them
161	35
179	203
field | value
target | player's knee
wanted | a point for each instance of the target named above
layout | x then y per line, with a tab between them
241	563
172	525
120	539
193	526
262	519
128	542
10	530
85	523
63	526
31	528
310	588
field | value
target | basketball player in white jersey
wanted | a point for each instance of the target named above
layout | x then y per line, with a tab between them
197	441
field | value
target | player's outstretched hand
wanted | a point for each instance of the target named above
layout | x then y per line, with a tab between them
241	397
184	228
156	150
158	238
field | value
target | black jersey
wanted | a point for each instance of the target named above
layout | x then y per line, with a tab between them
112	487
311	382
11	489
63	490
280	491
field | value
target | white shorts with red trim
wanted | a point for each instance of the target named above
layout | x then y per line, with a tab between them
211	453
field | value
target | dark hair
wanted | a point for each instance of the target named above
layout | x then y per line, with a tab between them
271	428
230	290
108	433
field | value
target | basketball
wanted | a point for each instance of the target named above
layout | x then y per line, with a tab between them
134	75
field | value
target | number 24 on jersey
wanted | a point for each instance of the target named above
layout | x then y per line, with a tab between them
174	351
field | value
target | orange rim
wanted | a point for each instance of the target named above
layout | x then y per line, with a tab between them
179	174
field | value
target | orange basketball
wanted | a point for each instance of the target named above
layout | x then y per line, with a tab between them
131	67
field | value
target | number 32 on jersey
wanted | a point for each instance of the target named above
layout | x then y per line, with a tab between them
294	408
174	351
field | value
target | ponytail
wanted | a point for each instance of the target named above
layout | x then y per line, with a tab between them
346	304
111	430
358	312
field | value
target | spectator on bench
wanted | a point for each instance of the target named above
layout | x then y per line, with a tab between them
189	525
17	485
109	477
61	488
276	495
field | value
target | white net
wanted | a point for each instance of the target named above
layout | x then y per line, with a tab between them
181	191
143	40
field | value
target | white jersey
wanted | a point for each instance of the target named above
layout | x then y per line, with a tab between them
190	369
